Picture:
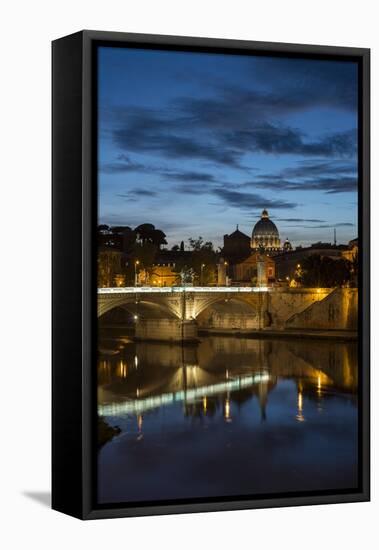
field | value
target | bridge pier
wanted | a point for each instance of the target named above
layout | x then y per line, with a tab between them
166	330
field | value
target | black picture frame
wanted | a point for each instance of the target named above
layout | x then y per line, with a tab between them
74	206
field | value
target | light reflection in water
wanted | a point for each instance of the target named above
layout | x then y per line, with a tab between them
205	403
300	416
189	395
228	401
227	409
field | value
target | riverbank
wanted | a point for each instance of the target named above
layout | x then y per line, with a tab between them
313	334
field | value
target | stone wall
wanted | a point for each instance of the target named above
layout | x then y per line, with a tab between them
284	303
338	311
170	330
242	321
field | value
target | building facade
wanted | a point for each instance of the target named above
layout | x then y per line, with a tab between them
257	269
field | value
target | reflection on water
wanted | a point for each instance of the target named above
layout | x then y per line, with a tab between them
230	416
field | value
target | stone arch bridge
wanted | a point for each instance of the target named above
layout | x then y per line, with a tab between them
175	312
184	303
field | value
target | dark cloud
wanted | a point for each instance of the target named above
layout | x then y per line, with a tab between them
175	147
280	140
284	86
189	176
293	220
308	83
193	189
220	129
324	226
123	164
144	192
331	177
329	185
133	194
313	168
250	200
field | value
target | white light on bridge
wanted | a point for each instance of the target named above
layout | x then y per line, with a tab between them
174	289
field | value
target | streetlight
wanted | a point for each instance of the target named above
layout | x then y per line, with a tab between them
136	263
226	272
201	274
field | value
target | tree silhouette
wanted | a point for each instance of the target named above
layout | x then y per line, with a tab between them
322	271
146	233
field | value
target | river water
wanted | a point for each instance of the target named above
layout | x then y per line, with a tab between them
227	417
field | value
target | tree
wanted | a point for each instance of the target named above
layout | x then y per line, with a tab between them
158	238
323	271
103	228
146	233
196	244
119	229
203	261
128	240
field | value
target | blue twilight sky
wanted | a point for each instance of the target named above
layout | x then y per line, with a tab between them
196	143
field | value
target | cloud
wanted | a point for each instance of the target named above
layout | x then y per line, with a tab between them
123	164
174	146
250	200
329	185
324	226
306	83
193	189
299	220
277	87
133	194
284	140
224	127
306	168
189	176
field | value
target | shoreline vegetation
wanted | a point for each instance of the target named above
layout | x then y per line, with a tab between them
105	432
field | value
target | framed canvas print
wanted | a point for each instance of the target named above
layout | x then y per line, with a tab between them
210	274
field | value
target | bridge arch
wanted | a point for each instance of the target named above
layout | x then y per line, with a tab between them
228	313
241	303
153	308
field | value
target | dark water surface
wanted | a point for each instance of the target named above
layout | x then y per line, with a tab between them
228	417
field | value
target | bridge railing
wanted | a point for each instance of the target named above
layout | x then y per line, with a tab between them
174	289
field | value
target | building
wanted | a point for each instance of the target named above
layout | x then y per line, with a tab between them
289	262
265	235
351	253
165	269
110	268
249	258
256	269
287	246
163	274
236	246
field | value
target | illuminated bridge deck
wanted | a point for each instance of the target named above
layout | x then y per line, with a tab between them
176	289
